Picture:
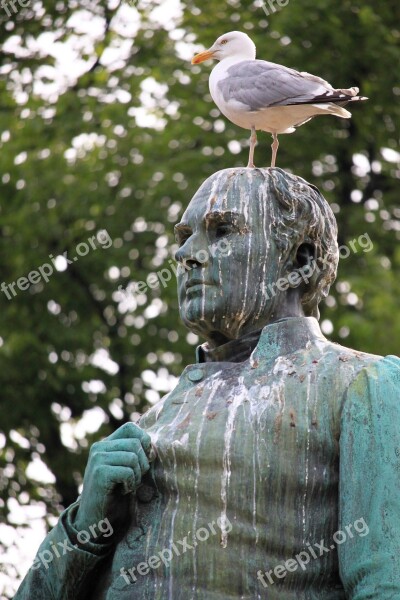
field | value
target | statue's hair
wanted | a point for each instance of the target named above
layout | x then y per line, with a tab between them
301	215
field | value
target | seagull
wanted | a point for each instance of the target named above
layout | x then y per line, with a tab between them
261	95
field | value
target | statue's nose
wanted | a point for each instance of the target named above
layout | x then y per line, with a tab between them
194	252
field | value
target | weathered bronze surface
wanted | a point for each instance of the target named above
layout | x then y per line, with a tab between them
277	468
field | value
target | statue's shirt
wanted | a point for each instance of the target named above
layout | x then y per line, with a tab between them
276	461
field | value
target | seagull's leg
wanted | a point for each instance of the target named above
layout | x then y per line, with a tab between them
253	142
274	146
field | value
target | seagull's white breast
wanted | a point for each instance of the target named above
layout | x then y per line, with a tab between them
235	111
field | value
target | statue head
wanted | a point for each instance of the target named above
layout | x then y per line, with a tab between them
256	245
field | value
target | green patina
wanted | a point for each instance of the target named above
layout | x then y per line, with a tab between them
271	443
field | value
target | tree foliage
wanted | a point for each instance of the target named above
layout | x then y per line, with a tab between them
105	125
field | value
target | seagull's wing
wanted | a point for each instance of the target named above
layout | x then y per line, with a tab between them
260	84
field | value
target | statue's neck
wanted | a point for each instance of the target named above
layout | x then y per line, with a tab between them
233	351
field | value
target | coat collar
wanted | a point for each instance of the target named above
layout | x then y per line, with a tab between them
276	339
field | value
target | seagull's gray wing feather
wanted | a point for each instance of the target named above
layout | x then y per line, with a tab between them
261	84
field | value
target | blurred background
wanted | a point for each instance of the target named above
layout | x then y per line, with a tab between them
105	126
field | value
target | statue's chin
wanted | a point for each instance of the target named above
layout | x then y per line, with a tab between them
215	327
214	331
203	326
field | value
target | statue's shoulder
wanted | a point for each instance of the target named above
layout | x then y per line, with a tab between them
363	365
342	364
372	398
377	361
345	354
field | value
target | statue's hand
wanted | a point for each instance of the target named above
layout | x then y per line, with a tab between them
115	467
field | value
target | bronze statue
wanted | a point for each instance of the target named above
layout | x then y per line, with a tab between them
277	454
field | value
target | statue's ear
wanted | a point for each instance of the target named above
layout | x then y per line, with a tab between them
305	255
301	266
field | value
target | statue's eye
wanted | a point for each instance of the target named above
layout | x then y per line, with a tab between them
223	229
182	239
182	234
223	42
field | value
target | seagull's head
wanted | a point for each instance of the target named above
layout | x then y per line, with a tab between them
234	43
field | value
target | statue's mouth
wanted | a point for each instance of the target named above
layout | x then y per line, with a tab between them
195	282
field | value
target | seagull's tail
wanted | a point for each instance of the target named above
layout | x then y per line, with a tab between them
336	107
352	96
357	99
353	92
331	108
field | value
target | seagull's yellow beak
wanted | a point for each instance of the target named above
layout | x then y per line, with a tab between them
202	56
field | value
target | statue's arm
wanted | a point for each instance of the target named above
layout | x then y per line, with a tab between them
63	564
88	530
370	484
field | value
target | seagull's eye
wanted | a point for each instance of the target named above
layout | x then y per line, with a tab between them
223	42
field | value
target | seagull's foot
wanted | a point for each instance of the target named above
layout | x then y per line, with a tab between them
251	165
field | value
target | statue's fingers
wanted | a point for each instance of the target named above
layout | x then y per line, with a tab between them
131	430
125	444
124	476
143	460
129	445
127	458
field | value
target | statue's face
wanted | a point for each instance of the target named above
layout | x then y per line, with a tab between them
227	257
